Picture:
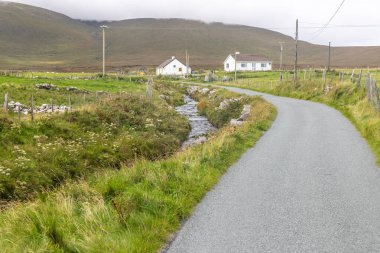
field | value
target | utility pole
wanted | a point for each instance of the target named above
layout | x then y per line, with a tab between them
282	49
187	63
296	63
328	68
104	48
236	53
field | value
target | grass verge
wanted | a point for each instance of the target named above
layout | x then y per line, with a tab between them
134	209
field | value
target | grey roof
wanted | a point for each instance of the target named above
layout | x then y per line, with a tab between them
250	57
166	63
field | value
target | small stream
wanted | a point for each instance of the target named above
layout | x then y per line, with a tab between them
200	126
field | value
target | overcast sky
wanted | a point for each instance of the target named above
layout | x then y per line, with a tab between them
278	15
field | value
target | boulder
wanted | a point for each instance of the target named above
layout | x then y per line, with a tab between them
72	88
204	91
236	122
45	86
245	113
243	117
192	90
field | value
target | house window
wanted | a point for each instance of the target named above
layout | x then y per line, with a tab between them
263	65
227	66
243	65
180	69
174	66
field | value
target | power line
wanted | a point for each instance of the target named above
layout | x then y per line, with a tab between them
330	27
329	21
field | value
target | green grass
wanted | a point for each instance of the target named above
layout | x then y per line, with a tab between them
110	84
21	89
42	154
133	209
345	96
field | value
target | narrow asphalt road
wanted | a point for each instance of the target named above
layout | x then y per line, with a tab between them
311	184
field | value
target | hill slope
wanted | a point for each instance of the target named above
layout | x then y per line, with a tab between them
32	37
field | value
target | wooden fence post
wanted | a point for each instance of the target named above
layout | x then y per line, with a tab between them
6	103
375	94
70	107
368	87
324	76
360	78
149	85
31	108
352	75
310	74
19	112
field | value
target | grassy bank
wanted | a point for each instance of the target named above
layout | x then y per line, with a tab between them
221	106
42	154
133	209
347	97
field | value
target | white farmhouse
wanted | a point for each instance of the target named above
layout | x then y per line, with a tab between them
172	67
247	62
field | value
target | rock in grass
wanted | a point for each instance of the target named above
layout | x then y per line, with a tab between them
243	117
45	86
72	88
245	113
226	103
236	122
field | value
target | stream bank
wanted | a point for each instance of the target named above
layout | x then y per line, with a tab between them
200	126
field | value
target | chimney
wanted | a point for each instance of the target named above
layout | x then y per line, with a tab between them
173	57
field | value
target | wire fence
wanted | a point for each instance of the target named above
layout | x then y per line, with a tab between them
319	79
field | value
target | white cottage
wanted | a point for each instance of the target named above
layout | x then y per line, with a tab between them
172	67
247	62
